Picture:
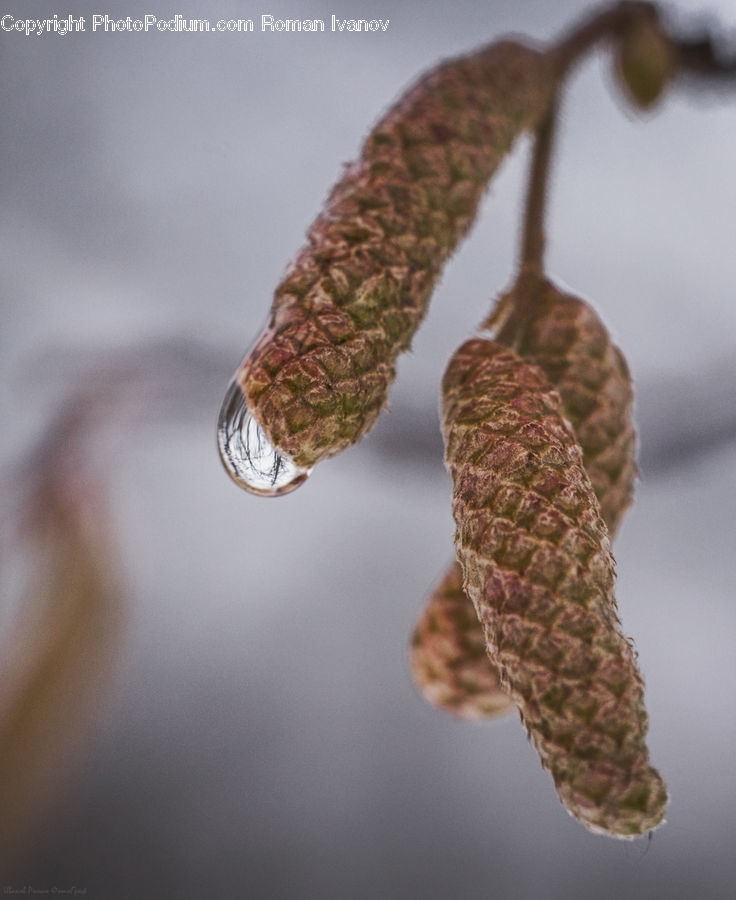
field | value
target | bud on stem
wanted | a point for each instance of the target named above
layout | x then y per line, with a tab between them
645	61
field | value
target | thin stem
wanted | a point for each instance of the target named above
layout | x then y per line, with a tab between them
533	238
698	58
694	57
603	25
568	51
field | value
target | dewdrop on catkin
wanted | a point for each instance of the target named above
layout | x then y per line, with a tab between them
249	457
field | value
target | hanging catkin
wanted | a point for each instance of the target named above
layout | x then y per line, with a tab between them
449	661
537	566
565	337
567	340
350	302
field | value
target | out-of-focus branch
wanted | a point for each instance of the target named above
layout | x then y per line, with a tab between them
56	660
60	639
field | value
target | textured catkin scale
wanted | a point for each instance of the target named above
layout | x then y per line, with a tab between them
567	340
350	302
449	662
537	565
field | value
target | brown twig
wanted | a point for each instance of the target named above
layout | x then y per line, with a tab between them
533	238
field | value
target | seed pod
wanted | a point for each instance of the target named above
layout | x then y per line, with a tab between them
572	347
449	661
644	62
318	377
537	565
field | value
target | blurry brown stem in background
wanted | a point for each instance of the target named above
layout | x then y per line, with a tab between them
59	647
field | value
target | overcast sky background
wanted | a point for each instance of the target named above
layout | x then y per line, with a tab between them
260	736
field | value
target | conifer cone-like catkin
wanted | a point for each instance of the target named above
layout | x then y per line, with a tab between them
449	661
537	565
350	302
567	340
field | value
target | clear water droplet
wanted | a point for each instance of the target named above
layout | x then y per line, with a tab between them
249	457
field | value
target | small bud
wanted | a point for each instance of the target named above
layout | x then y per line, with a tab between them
449	661
537	566
356	293
644	62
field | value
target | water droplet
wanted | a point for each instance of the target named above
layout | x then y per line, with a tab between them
249	457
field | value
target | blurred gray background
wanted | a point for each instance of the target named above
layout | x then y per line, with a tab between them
258	735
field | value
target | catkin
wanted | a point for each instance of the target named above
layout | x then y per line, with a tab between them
350	302
565	337
567	340
537	565
449	661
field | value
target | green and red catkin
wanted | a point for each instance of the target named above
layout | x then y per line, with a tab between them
537	565
567	340
352	299
565	337
449	660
